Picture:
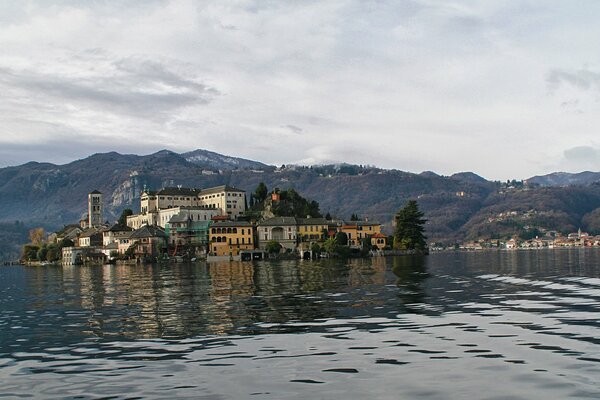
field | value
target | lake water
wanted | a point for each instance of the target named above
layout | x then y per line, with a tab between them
489	325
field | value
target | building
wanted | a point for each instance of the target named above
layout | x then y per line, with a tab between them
81	255
114	233
228	238
312	229
148	241
91	237
281	229
69	232
73	255
158	207
230	200
183	230
193	213
95	209
379	240
359	230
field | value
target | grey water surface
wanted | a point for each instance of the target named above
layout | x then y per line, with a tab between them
486	325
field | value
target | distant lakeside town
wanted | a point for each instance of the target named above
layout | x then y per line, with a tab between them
177	224
550	240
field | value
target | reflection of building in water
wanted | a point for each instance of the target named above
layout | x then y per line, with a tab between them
230	282
367	271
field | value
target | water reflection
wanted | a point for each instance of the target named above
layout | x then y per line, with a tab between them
517	324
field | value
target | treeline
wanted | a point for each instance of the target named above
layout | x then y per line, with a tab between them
38	248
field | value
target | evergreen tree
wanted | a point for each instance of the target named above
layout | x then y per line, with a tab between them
261	191
354	217
409	228
123	218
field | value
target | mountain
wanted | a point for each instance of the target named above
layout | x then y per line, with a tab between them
209	159
566	179
462	206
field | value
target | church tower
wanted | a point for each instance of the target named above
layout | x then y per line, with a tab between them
95	209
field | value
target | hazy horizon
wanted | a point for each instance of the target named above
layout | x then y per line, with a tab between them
505	90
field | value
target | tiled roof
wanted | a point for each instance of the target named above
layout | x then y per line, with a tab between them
312	221
179	218
278	221
175	191
120	228
219	189
89	232
148	231
232	224
360	223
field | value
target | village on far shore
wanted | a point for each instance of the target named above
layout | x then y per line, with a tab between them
177	224
550	240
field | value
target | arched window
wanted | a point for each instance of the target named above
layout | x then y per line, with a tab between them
228	230
214	230
234	230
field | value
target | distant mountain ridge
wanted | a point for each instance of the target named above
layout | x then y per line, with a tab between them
205	158
566	179
458	207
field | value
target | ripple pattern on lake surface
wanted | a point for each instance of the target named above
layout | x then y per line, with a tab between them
498	325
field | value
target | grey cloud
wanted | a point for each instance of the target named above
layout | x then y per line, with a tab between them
581	79
581	158
582	153
293	128
138	87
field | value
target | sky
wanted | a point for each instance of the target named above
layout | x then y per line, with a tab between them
506	89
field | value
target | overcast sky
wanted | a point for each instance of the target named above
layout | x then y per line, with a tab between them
504	89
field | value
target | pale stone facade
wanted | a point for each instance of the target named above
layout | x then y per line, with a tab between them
158	207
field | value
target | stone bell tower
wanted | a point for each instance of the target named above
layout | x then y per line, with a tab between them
95	209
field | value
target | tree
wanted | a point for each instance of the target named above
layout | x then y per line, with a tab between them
330	246
30	252
53	253
354	217
409	228
37	236
42	253
328	217
341	239
123	218
315	248
273	247
260	193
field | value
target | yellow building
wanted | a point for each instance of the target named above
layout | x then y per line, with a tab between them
228	238
358	230
312	229
379	240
